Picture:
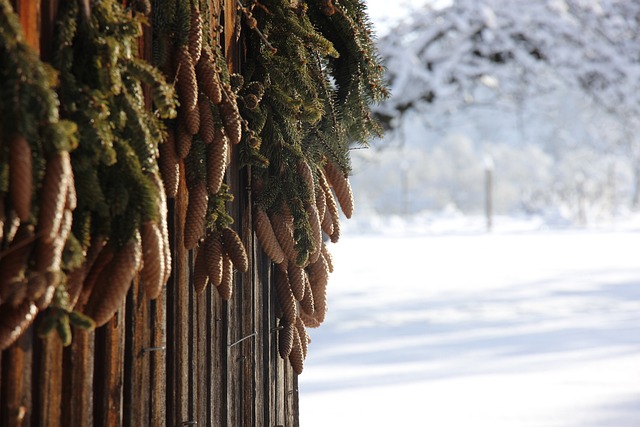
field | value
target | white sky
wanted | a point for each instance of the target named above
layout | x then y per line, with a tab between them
384	13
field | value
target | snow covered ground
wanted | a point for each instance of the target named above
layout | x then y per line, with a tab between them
438	323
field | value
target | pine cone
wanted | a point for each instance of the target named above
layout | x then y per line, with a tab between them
163	225
285	296
153	268
14	321
20	176
231	119
226	285
266	236
304	170
332	209
190	118
169	166
235	249
285	338
283	229
195	35
318	277
316	229
341	186
207	124
196	214
184	139
327	223
96	270
327	257
187	83
212	247
321	203
49	253
53	196
200	277
208	76
304	337
111	289
296	358
297	281
307	306
217	161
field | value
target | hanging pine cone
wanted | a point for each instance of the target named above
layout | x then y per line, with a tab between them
196	214
169	164
231	119
266	236
307	305
195	35
283	229
153	260
318	276
208	76
190	119
285	296
184	140
327	257
53	196
304	170
304	337
97	269
316	230
212	247
285	338
20	176
200	276
296	357
207	124
235	249
226	285
342	188
297	281
217	153
187	83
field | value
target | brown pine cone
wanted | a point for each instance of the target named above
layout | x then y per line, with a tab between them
332	209
217	161
321	203
327	223
304	337
190	118
108	295
235	249
212	247
163	225
208	77
14	321
226	285
20	176
153	269
285	296
297	281
307	305
96	269
318	277
266	236
283	229
200	276
195	35
231	119
49	253
53	196
327	257
296	358
187	83
316	229
341	186
184	139
168	163
304	170
207	124
196	214
285	338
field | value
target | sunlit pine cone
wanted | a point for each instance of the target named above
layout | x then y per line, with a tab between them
304	337
190	118
226	285
95	270
316	230
318	277
14	321
327	257
341	186
153	269
212	247
207	124
14	263
285	338
307	305
285	296
49	252
284	233
20	176
71	201
235	249
231	119
169	164
332	209
296	358
200	276
53	196
266	236
196	214
187	84
327	223
163	224
208	77
321	203
195	35
304	170
184	140
108	295
296	281
217	153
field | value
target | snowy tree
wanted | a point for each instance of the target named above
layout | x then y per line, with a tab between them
562	69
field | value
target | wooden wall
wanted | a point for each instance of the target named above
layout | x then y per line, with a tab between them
179	360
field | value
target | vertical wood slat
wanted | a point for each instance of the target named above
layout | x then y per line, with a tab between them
47	399
78	369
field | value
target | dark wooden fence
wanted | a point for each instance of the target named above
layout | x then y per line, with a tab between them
183	359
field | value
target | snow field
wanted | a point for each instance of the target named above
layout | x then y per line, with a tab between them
512	328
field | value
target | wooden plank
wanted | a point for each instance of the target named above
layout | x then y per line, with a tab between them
109	372
29	11
47	396
157	360
217	361
203	380
16	384
78	368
